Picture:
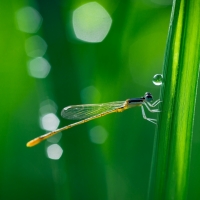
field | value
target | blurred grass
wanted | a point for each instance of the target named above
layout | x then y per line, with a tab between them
120	67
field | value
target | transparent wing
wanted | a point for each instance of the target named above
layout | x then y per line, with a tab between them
78	112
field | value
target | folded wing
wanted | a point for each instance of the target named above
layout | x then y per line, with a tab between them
79	112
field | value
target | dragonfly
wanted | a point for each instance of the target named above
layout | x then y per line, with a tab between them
88	112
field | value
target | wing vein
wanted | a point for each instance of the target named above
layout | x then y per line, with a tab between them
78	112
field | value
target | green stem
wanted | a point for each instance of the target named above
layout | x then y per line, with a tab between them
172	147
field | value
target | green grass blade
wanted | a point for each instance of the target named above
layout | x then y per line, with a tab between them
171	157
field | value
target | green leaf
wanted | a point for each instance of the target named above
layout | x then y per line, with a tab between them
172	148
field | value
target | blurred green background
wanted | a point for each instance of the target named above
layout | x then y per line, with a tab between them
59	53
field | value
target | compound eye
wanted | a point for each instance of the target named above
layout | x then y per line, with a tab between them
148	97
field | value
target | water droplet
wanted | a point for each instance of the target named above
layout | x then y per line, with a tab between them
158	79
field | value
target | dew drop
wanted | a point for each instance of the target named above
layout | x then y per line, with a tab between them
158	79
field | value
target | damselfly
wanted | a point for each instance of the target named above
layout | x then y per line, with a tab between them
87	112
